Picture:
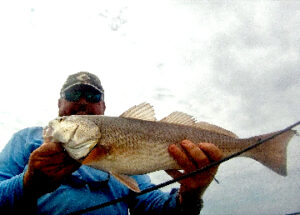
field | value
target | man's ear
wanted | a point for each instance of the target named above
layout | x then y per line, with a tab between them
104	108
59	103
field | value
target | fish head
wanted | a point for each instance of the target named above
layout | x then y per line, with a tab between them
78	135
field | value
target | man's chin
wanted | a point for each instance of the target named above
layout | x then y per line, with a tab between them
81	113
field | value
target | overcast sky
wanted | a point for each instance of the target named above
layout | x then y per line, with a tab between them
228	63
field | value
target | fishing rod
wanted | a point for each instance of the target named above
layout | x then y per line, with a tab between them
213	164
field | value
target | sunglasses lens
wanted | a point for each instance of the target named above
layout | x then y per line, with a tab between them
92	97
73	95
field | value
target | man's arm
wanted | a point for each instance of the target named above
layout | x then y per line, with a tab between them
19	186
192	157
13	160
47	167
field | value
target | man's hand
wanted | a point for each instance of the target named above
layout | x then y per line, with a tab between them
47	167
191	157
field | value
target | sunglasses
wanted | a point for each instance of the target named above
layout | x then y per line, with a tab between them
90	96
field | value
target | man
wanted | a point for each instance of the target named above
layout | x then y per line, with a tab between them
40	177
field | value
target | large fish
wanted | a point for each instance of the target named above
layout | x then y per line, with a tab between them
135	143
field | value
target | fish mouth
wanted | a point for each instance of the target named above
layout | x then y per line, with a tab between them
76	134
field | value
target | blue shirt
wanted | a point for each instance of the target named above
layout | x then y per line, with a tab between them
85	188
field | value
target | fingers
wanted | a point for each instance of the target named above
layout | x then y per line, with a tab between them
49	154
181	157
52	160
173	173
195	153
192	156
211	150
49	148
49	164
66	170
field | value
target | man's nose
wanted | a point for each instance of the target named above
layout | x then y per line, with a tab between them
82	100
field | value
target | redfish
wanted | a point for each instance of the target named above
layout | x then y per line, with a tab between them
135	143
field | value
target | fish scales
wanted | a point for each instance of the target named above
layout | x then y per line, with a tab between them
134	146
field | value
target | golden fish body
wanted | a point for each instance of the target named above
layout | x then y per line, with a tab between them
135	143
133	146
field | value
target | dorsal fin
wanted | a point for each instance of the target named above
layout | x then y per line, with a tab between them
142	111
185	119
215	128
179	118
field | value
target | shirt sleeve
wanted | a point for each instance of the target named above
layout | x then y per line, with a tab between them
13	160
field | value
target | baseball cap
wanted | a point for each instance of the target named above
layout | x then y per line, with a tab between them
82	78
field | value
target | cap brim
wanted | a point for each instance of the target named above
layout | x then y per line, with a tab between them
84	84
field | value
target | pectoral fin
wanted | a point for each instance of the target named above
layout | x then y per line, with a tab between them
127	181
95	155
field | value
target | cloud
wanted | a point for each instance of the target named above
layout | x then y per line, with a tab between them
235	64
246	78
255	63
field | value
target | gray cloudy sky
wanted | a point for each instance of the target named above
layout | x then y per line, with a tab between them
235	64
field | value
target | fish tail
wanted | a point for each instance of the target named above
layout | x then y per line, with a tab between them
272	153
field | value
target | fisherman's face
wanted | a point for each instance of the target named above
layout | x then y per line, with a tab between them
81	101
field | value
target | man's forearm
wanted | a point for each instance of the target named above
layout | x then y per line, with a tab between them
190	202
